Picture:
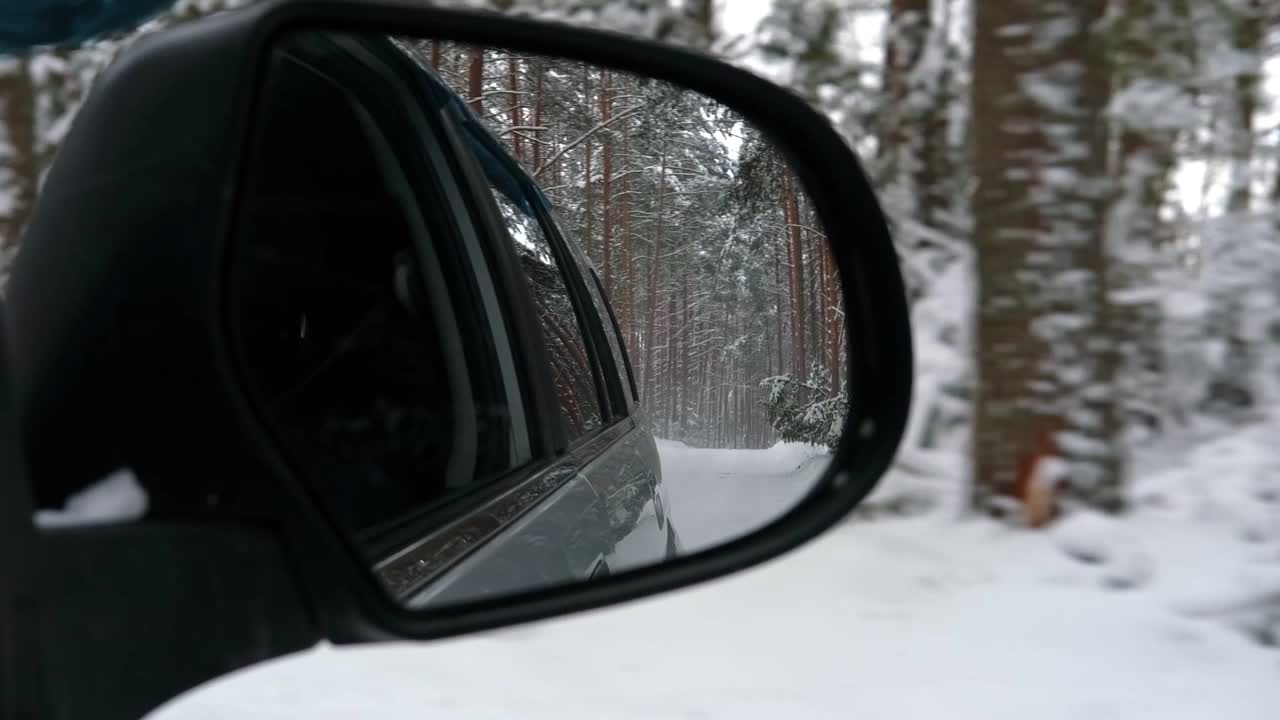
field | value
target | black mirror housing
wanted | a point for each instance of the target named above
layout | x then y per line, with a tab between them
117	332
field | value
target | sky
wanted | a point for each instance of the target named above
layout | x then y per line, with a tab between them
740	17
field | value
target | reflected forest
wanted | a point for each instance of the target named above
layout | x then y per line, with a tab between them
711	255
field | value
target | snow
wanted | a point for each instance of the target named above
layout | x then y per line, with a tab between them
718	495
1096	539
116	498
742	18
923	617
912	618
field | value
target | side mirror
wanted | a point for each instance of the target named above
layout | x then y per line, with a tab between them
413	322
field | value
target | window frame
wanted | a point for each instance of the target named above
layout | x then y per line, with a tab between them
620	404
634	396
420	160
453	199
444	205
608	393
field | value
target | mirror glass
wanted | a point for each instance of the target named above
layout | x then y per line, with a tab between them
519	321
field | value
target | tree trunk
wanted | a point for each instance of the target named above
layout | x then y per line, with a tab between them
475	80
835	329
588	221
1045	342
1247	40
909	24
799	361
682	377
655	252
672	387
1149	45
557	176
515	114
627	264
588	202
817	294
539	104
606	184
18	174
780	367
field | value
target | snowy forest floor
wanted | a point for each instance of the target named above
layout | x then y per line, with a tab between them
920	617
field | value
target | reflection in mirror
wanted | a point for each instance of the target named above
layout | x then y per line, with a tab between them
519	321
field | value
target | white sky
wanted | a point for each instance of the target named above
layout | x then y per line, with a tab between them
1191	177
740	17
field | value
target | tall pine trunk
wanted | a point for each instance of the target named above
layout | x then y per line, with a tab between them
795	257
1243	104
588	221
18	171
1150	46
475	80
606	185
627	298
515	113
539	104
655	252
780	367
1046	354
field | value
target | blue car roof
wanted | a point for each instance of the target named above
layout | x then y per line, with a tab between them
25	24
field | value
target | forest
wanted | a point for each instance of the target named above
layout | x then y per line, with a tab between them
1085	196
706	245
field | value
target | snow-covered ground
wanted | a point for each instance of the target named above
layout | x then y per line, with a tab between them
923	617
718	495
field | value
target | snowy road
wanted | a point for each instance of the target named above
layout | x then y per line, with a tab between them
923	618
717	495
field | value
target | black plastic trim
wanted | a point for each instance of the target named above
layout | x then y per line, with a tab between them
622	345
407	571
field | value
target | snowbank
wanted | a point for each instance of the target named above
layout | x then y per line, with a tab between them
921	617
718	495
902	618
781	457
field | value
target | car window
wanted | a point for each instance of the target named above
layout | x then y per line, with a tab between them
571	365
385	399
617	345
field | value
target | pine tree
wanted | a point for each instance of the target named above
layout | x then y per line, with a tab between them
1046	354
18	151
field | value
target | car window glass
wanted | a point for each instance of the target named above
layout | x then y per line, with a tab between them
567	352
612	333
385	400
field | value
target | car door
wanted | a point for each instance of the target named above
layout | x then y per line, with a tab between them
629	474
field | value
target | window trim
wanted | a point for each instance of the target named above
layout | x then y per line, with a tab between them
610	376
455	180
622	345
408	571
418	121
483	221
567	270
393	530
442	198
